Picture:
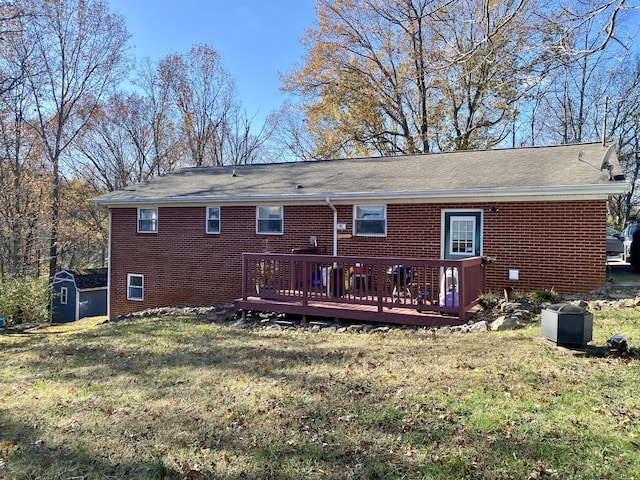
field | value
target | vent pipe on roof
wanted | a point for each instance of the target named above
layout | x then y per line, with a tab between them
335	226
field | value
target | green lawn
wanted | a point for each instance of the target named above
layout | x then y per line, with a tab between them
182	398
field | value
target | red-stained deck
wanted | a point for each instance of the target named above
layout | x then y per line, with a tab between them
409	291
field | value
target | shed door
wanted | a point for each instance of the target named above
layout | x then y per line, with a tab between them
63	302
462	234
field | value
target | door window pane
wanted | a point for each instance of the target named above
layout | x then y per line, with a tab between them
463	235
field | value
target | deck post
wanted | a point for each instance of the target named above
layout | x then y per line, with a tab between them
462	290
244	276
305	283
380	287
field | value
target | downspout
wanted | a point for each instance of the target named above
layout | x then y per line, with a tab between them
335	226
109	268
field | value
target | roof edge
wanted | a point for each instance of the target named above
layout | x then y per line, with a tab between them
516	193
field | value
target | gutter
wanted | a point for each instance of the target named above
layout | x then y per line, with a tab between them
335	226
109	270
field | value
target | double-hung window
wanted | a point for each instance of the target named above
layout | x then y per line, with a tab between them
63	295
269	220
213	219
135	287
147	220
370	220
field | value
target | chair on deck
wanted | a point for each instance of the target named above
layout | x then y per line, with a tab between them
360	280
405	286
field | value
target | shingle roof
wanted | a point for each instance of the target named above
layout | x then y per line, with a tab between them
572	169
87	279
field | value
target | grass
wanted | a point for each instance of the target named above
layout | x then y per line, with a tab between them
174	398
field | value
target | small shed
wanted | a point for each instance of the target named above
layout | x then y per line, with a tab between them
78	294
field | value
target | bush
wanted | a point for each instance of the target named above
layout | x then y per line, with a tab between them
24	300
489	300
540	297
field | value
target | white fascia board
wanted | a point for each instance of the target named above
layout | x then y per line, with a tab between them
556	193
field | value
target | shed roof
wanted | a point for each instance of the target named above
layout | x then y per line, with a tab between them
85	279
566	170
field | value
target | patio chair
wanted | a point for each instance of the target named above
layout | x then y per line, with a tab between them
405	286
360	280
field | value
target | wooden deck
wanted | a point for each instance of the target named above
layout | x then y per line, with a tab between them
406	291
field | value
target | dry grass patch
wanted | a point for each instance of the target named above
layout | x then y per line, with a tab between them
182	398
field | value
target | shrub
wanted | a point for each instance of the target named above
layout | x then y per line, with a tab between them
539	297
24	300
489	300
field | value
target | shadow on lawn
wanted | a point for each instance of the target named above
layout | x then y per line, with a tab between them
325	421
434	449
154	365
28	454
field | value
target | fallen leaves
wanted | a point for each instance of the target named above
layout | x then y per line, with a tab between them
191	472
542	471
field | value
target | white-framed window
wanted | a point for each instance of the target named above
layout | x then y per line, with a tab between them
269	220
64	295
213	219
135	287
147	220
370	220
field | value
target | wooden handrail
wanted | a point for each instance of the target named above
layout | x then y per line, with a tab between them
449	287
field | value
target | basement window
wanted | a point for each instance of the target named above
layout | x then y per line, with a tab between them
135	287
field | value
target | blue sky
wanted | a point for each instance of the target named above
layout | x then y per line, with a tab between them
256	39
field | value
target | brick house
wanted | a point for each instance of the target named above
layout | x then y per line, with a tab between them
540	212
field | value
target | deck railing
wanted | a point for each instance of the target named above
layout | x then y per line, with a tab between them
450	287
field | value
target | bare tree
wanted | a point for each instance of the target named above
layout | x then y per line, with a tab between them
289	139
23	192
23	173
623	125
77	56
204	94
126	141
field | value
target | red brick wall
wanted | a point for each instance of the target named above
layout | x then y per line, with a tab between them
558	245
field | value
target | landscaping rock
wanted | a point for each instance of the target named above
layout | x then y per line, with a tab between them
506	315
505	323
481	326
